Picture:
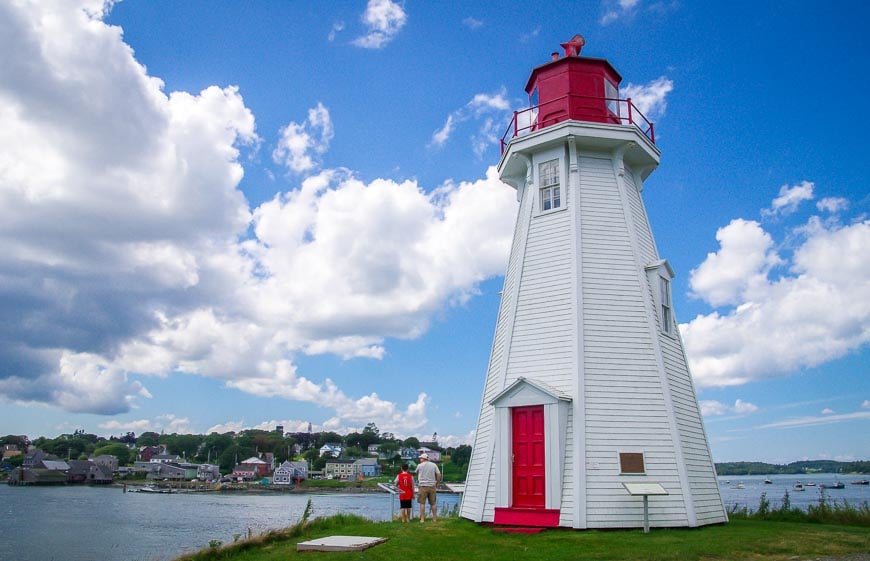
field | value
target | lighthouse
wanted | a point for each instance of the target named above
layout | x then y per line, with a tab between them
589	417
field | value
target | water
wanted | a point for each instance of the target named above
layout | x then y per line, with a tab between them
81	523
754	486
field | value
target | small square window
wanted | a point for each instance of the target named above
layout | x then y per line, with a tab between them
631	462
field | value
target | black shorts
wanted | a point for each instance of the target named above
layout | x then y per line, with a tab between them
405	503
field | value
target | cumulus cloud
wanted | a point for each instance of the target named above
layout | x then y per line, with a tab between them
651	98
865	404
384	19
129	250
302	143
489	110
790	197
815	310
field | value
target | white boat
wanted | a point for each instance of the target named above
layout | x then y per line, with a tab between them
152	489
799	486
740	485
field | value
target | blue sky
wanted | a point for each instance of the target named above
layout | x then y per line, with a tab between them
217	216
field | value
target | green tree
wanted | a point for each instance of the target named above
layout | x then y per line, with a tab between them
148	439
461	455
117	449
411	442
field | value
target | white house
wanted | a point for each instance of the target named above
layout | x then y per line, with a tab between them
333	449
588	388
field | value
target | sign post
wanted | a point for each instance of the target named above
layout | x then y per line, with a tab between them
393	491
645	490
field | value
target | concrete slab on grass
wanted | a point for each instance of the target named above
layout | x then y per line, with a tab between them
339	543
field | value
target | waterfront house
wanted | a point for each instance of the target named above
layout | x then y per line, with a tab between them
332	449
34	458
261	468
107	461
207	472
341	469
174	471
288	472
54	465
368	467
246	472
87	471
36	476
374	449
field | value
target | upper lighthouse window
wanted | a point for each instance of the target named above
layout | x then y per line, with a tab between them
612	97
548	178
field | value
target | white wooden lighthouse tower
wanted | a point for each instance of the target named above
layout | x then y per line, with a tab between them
588	391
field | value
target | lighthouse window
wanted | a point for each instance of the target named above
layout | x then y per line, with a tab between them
612	97
548	177
665	298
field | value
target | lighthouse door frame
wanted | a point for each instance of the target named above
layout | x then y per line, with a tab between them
524	393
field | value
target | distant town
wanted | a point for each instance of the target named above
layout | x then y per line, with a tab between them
258	457
250	457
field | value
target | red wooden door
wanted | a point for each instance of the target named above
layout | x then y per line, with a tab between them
527	425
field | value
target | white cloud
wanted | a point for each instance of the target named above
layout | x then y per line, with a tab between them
790	198
814	312
482	107
742	263
744	407
865	404
615	10
130	252
815	421
384	19
472	23
712	408
167	423
832	204
649	98
337	28
827	411
301	144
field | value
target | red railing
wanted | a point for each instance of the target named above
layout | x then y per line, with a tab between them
611	110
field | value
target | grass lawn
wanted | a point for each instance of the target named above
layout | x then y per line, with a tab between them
460	540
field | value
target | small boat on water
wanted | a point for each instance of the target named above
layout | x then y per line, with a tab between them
152	489
861	482
799	486
811	484
835	485
740	485
768	482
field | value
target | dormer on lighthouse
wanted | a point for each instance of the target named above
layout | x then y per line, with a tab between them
588	391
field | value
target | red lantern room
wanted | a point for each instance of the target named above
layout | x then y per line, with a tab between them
574	87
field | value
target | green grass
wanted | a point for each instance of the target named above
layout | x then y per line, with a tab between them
460	540
827	511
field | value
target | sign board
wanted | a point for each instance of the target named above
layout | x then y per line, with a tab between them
390	488
644	489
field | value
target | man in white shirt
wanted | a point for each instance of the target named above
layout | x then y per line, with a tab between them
428	476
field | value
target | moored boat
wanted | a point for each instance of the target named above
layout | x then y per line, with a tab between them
861	482
799	486
835	485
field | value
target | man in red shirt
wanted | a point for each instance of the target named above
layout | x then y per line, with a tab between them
405	483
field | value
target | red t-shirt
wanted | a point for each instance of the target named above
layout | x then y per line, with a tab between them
405	482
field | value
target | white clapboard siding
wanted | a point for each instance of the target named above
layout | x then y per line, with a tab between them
578	318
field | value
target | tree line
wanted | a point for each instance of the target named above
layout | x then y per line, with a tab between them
227	449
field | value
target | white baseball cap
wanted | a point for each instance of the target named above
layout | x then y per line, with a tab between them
424	456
